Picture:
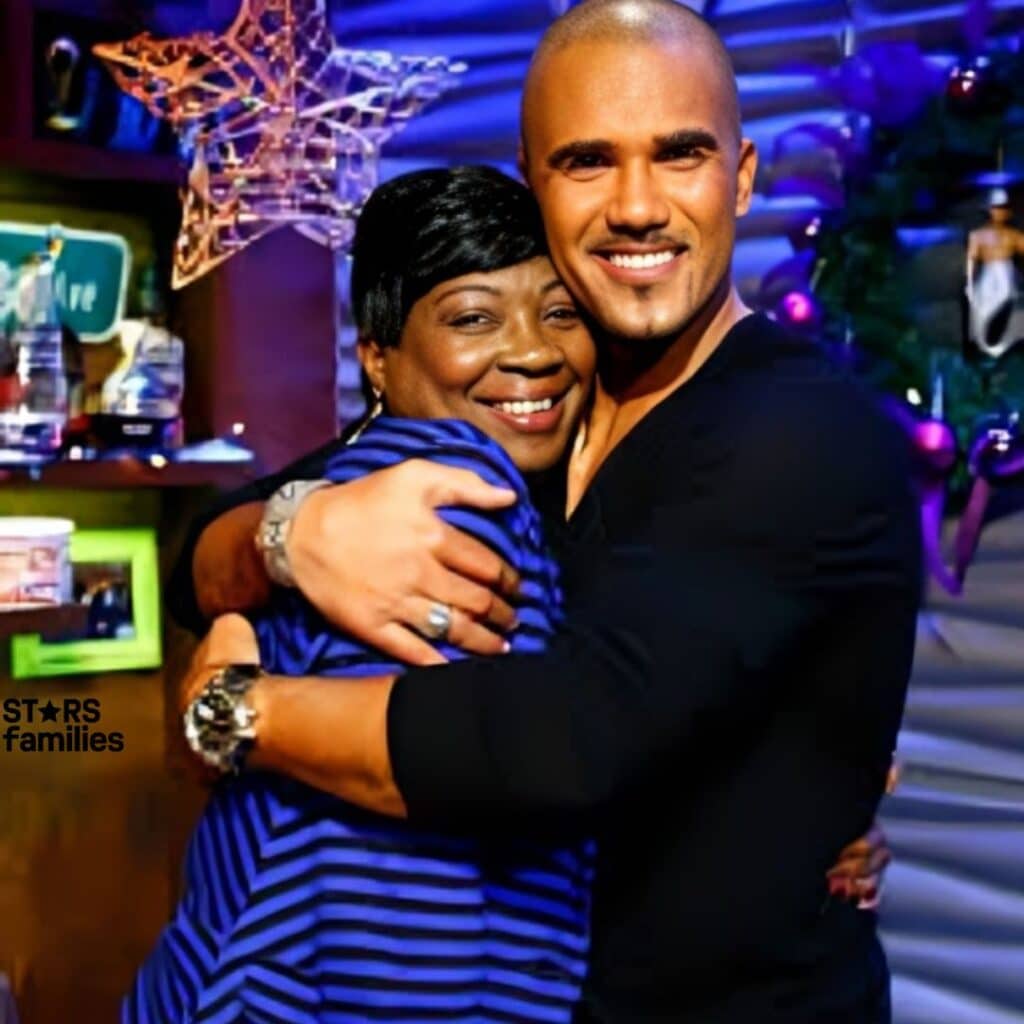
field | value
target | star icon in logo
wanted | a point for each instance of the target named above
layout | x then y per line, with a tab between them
49	711
283	126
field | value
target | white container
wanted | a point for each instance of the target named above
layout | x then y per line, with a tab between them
35	568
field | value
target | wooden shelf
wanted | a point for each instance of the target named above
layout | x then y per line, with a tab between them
78	160
53	622
127	473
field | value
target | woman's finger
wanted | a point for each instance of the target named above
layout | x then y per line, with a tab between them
447	485
474	560
477	601
464	632
406	646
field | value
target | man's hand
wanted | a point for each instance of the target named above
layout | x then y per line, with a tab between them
373	556
230	641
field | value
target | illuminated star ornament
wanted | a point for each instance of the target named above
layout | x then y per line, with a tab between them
283	126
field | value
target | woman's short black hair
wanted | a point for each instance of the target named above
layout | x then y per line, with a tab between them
426	227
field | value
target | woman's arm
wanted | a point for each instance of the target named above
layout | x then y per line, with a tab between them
227	570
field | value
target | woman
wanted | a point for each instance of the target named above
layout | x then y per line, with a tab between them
299	907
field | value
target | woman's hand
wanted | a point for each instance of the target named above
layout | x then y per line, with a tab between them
373	557
860	871
858	874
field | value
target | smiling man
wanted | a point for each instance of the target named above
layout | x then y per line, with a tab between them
742	577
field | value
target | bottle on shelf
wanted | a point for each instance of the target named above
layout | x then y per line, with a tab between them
141	399
33	390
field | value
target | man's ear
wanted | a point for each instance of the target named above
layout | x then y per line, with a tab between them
746	171
371	356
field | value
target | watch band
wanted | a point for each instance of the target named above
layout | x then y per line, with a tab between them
276	523
220	724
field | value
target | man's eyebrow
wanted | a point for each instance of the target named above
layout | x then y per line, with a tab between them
687	138
581	147
466	288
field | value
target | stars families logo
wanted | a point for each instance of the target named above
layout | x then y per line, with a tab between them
26	718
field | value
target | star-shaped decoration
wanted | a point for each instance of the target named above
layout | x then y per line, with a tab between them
284	127
49	711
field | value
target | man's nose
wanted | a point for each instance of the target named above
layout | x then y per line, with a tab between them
638	204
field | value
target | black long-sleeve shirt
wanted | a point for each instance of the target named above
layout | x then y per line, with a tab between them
742	580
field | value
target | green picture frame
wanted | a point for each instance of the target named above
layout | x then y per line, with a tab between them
32	658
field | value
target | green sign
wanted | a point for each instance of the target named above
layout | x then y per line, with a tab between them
91	278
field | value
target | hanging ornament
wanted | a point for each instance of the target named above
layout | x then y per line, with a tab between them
936	449
996	458
890	82
283	127
967	88
935	456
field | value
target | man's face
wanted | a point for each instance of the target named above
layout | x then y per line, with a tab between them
633	156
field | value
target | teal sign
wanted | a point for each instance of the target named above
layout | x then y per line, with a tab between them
91	278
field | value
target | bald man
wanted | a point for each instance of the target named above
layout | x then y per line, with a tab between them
742	577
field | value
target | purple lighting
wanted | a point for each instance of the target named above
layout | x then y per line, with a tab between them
797	308
935	439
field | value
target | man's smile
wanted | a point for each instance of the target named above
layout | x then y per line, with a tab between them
640	264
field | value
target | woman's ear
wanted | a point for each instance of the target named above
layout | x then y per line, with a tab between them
371	356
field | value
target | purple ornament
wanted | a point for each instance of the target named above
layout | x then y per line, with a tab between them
935	443
890	82
995	458
935	448
798	309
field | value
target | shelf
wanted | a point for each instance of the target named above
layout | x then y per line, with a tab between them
129	472
53	622
78	160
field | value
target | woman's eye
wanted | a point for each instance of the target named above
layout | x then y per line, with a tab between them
470	320
564	314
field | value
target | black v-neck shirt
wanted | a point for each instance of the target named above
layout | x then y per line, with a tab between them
742	580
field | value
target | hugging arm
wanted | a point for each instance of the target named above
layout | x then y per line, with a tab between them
693	632
219	569
690	630
370	555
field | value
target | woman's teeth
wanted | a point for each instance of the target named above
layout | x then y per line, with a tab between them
640	261
525	408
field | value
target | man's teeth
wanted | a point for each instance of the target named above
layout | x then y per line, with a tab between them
640	261
525	408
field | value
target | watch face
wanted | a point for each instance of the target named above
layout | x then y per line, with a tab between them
219	721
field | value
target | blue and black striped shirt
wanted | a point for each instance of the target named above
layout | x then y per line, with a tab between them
301	908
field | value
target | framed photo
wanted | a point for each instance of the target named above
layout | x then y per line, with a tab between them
115	573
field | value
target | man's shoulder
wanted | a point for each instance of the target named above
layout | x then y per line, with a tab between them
777	383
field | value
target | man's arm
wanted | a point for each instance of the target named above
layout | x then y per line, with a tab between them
335	739
687	633
690	630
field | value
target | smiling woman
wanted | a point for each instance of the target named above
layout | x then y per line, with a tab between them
299	905
493	342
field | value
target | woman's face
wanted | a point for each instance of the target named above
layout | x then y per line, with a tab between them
505	350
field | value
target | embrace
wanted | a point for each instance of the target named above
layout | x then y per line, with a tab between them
565	685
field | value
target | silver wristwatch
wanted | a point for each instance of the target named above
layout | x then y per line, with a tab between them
220	723
276	523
